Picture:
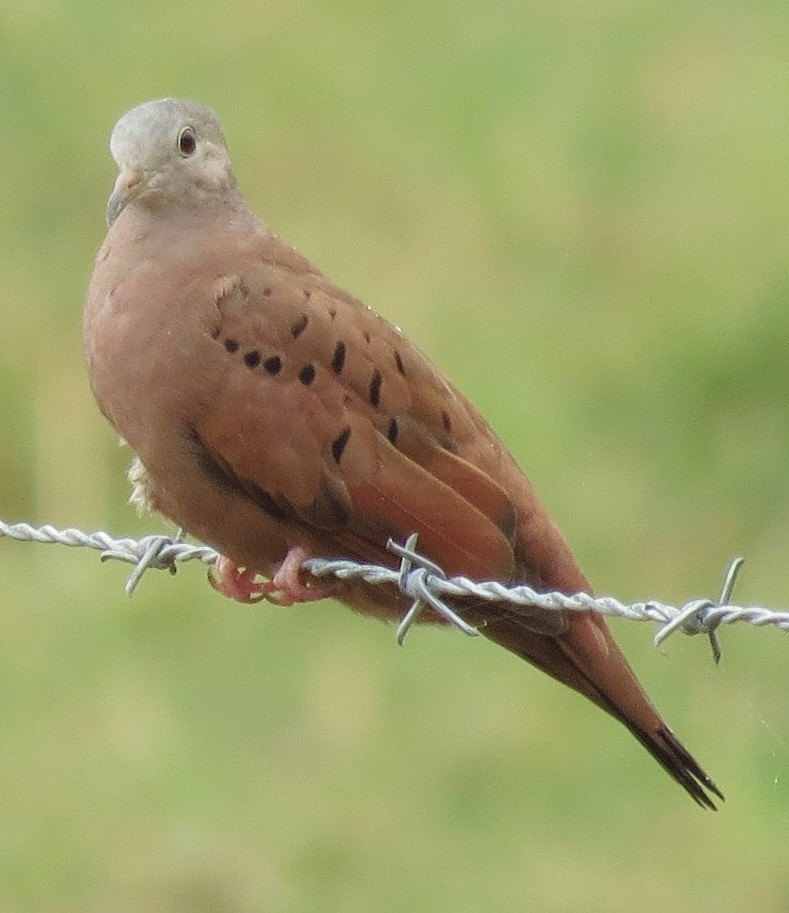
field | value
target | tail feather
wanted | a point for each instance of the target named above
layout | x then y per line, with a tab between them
679	763
587	659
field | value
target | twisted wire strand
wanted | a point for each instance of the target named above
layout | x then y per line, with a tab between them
425	584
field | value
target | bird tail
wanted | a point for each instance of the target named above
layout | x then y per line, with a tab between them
586	658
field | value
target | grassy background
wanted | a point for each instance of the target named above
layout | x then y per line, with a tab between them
581	210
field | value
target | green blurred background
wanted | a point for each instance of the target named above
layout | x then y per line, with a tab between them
581	211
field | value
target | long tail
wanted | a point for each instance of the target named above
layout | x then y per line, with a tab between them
586	658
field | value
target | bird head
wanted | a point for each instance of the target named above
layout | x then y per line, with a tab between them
168	151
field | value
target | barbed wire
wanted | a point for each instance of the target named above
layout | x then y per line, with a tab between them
425	583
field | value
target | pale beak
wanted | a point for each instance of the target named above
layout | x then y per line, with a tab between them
128	184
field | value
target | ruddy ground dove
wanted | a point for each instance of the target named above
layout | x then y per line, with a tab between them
277	417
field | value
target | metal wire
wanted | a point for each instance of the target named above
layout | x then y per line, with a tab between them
426	584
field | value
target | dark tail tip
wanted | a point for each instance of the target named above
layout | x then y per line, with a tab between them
682	766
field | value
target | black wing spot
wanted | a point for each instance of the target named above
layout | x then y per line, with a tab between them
299	326
375	388
393	431
231	345
338	444
399	362
338	359
307	375
273	364
267	291
252	358
446	421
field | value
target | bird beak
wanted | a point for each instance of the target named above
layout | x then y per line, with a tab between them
129	184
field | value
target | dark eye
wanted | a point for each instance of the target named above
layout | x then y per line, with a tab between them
187	142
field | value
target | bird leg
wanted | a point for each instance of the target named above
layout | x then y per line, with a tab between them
284	588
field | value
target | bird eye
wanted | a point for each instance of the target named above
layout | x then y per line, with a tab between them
187	142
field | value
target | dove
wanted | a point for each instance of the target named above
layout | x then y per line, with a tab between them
276	417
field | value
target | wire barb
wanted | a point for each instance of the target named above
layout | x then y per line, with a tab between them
417	582
697	616
426	584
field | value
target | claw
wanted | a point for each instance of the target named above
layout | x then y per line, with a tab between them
227	578
285	587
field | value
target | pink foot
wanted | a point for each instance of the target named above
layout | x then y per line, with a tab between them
227	578
285	588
